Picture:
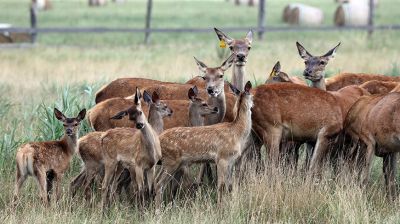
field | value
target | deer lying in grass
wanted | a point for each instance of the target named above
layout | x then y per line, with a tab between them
222	143
373	128
341	80
277	76
379	87
240	49
48	161
90	148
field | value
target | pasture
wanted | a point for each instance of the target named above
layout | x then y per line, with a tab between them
65	70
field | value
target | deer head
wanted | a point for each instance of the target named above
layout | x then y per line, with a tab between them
315	65
200	106
214	77
71	125
135	112
154	101
277	75
239	47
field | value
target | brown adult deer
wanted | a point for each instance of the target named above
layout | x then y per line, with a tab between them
240	49
222	143
277	76
48	161
90	149
344	79
379	87
138	151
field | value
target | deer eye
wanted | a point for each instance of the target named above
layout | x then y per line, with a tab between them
76	124
204	104
306	62
230	47
220	76
248	48
322	63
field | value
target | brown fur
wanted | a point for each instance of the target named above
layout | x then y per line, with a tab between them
222	143
345	79
379	87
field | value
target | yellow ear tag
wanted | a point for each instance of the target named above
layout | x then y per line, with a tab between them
272	74
222	44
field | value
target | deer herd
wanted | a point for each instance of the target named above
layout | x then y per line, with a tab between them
148	133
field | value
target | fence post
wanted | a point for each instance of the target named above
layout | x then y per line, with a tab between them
33	14
371	17
148	21
261	19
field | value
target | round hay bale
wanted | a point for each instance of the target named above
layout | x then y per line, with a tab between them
41	4
352	14
305	15
288	10
366	1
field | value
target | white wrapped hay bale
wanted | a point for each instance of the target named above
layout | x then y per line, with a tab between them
97	2
352	14
305	15
366	1
41	4
288	10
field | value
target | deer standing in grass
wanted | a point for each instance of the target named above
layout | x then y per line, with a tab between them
138	152
240	49
90	149
214	78
222	143
48	161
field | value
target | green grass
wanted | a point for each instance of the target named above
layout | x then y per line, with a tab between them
65	70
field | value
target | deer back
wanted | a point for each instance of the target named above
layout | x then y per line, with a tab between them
379	87
345	79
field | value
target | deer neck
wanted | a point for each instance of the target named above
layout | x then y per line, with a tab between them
70	142
238	76
195	119
319	84
156	120
151	142
218	101
243	123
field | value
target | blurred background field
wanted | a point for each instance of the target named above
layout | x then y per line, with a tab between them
65	70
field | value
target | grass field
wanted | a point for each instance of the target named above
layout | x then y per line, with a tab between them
65	70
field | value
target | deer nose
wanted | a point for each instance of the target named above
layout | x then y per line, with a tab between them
139	125
171	112
69	132
241	57
307	72
210	90
215	109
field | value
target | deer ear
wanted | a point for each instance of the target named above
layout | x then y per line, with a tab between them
195	90
201	65
59	115
235	90
155	97
119	115
138	95
284	76
222	36
227	63
191	94
147	97
247	87
276	69
249	36
331	53
81	115
303	52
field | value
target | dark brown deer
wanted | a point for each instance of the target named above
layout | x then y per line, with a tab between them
48	161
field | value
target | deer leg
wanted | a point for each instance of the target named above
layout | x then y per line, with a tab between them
321	148
41	180
273	143
77	182
58	179
389	170
89	180
368	161
109	170
309	153
222	169
18	184
139	182
150	173
165	176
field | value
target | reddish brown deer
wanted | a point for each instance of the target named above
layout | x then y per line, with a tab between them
379	87
240	49
138	151
48	161
222	143
344	79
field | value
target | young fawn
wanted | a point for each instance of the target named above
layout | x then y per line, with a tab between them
214	78
90	145
138	151
47	161
222	143
240	49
